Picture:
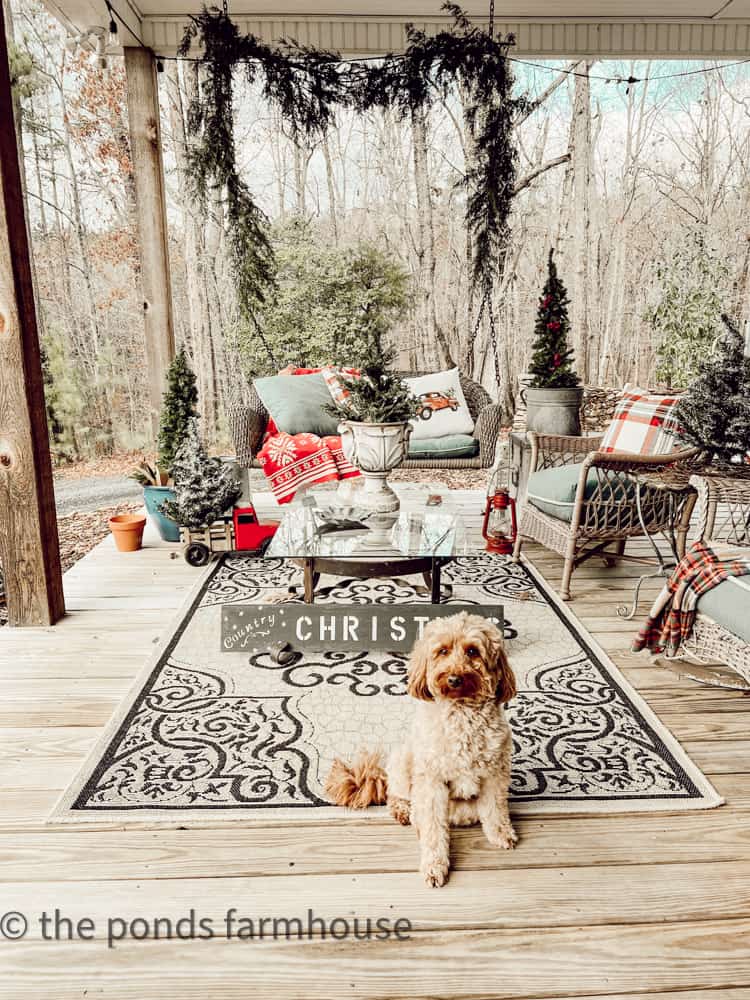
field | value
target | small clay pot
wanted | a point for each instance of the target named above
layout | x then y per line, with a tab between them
128	531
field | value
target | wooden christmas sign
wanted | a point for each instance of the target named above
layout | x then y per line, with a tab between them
250	628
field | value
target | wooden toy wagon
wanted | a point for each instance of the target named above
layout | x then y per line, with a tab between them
239	531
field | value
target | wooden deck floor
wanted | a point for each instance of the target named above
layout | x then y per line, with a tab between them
616	906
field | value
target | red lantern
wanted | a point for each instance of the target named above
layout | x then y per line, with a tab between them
499	527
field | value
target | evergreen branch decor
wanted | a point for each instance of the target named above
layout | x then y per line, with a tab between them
714	413
377	395
307	85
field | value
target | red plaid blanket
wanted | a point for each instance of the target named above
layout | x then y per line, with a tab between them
671	619
291	461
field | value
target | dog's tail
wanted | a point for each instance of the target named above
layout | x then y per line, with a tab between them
358	784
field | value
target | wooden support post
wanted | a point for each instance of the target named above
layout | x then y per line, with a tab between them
151	211
29	547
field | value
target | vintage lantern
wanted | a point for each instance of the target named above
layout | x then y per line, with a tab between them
499	528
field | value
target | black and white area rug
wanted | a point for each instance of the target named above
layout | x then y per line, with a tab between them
209	736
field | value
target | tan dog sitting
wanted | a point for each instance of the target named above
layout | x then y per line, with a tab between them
454	766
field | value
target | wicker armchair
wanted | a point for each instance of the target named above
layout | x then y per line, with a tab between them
605	510
724	519
247	422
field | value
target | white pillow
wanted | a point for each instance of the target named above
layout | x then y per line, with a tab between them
444	410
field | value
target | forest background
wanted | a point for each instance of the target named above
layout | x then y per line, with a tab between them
644	191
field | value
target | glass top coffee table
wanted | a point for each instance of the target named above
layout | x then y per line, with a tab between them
325	531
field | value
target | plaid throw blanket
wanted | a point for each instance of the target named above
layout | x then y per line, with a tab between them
671	619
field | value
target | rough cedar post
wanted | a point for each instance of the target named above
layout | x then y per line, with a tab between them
29	547
151	212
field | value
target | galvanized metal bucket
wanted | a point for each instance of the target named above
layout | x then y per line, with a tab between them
553	411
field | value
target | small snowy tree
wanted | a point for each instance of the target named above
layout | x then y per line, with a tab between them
204	487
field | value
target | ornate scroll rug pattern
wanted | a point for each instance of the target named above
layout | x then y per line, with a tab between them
207	736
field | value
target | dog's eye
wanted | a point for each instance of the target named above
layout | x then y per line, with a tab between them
443	651
472	652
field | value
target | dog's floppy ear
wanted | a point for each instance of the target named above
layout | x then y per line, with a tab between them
506	679
417	672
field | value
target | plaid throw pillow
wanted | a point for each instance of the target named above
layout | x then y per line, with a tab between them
642	424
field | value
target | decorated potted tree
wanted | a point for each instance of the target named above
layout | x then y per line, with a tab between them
375	428
178	409
554	395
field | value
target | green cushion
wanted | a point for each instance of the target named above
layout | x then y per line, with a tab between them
729	606
449	446
296	403
553	491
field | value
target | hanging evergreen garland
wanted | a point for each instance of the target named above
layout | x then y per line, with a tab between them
307	85
303	83
429	66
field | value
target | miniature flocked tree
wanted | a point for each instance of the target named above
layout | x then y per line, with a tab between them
552	357
177	409
204	487
714	413
377	396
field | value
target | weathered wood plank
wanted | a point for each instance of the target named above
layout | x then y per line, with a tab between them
29	546
462	964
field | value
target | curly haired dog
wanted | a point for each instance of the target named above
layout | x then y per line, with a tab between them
454	766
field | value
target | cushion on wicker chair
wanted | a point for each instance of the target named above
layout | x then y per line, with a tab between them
553	491
642	424
450	446
728	605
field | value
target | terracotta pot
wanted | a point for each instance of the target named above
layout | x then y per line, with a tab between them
128	531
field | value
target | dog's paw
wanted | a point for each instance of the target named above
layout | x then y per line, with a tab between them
435	872
400	810
505	837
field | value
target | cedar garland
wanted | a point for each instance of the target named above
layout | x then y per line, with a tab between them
307	85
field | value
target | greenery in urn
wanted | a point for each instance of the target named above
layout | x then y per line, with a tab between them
204	487
378	395
714	412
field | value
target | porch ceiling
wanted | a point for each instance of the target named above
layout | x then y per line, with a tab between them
545	28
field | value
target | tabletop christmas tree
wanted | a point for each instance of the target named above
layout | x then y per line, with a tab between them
204	487
714	413
552	357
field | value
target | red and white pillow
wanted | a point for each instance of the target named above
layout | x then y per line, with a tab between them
643	424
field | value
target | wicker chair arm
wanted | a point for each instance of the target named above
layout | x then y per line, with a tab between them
553	450
623	461
487	431
734	494
247	425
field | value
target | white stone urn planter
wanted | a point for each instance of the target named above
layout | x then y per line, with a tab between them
375	449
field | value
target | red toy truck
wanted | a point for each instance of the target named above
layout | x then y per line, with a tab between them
238	531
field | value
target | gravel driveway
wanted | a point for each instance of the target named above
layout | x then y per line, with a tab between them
95	493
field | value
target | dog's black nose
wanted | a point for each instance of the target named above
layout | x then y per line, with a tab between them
454	681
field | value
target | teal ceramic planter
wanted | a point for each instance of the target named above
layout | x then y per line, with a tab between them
154	497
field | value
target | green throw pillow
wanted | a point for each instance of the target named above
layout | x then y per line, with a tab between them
296	403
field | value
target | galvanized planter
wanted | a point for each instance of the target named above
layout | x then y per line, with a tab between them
554	411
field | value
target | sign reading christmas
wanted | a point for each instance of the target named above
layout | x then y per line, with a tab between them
251	628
